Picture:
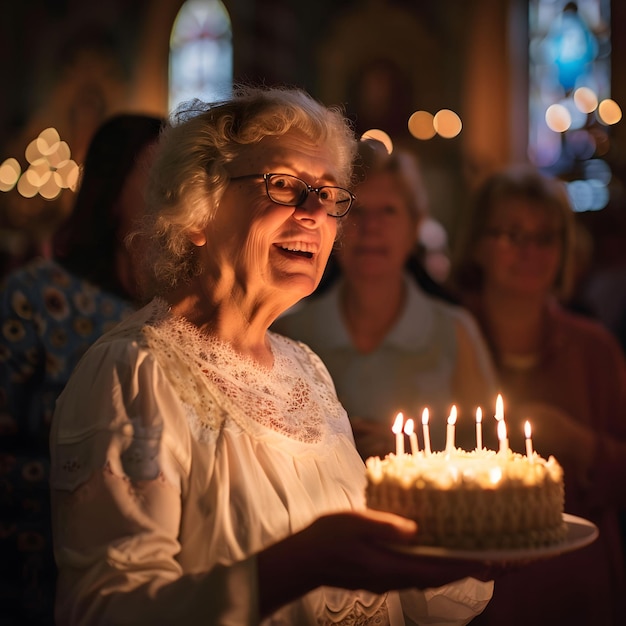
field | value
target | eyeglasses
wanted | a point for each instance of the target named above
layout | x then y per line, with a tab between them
293	191
520	239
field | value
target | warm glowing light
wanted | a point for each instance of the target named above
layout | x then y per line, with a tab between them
499	408
421	125
450	430
452	416
527	430
60	156
25	188
447	123
397	430
609	112
10	171
49	190
47	141
379	135
529	441
38	173
495	475
50	168
67	175
397	425
426	431
409	429
558	118
501	430
585	100
32	152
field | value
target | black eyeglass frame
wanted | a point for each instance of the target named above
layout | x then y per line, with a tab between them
305	194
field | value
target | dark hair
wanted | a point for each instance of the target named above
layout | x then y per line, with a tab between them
86	243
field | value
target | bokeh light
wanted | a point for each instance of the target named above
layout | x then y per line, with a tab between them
609	112
588	195
558	118
447	123
50	170
10	171
379	135
421	125
585	100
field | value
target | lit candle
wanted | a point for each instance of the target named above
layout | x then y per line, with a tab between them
479	429
450	430
397	429
504	442
426	431
529	441
409	430
499	408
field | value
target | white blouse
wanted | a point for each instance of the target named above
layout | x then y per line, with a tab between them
175	460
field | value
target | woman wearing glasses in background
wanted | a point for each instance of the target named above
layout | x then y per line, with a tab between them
203	470
563	373
388	344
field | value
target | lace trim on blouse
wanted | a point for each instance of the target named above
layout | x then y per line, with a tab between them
295	397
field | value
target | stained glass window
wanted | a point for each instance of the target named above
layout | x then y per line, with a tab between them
201	53
570	106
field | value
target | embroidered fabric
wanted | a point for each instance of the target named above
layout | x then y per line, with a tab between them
292	398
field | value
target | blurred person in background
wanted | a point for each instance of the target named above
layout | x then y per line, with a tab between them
561	371
389	345
51	311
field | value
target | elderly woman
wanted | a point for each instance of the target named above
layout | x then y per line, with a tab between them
388	345
562	372
204	471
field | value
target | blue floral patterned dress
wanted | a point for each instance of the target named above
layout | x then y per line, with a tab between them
48	319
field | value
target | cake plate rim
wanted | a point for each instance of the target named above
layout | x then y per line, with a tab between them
580	533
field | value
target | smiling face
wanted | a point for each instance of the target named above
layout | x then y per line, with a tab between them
379	233
266	252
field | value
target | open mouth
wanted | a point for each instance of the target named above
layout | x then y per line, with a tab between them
295	252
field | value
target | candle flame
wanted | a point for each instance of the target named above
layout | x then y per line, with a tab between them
425	416
397	425
499	408
452	416
409	427
501	430
527	430
479	415
495	475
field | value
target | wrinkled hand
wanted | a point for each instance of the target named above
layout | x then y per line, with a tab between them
355	551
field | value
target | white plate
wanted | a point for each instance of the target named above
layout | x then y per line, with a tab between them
580	533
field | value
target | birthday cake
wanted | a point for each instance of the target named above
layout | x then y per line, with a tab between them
478	500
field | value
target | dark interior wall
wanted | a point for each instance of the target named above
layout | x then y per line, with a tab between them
70	63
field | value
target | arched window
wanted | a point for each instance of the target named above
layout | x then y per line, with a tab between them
201	53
